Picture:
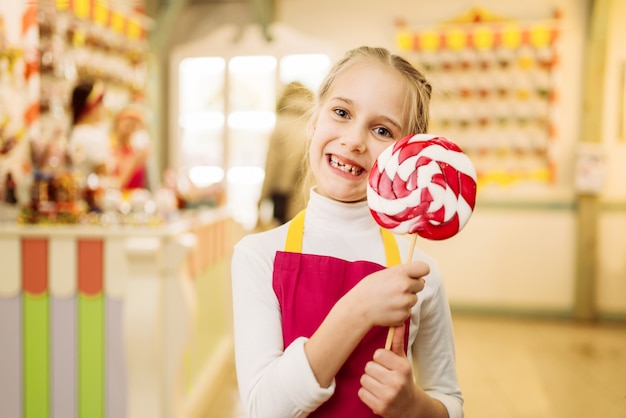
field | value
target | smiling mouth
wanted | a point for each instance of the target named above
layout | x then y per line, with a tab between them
346	168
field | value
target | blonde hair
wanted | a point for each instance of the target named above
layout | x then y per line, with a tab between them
295	98
418	91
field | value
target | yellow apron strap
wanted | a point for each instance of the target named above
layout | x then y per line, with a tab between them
296	230
294	234
391	248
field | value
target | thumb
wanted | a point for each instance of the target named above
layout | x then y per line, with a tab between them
397	343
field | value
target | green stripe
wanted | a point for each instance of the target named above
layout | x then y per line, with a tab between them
36	359
91	356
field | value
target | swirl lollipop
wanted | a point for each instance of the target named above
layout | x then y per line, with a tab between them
422	185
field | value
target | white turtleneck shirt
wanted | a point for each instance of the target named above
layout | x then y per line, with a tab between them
276	381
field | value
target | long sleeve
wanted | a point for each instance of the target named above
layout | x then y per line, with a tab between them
434	350
272	383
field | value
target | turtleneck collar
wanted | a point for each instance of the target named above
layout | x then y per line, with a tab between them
335	215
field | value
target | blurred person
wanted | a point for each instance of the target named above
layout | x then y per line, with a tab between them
88	146
283	167
130	148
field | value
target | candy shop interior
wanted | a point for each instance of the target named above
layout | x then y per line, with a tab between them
533	92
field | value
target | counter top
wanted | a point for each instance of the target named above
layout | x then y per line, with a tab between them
185	221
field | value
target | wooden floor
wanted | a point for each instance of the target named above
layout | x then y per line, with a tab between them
525	368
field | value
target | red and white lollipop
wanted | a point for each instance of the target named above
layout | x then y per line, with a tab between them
422	185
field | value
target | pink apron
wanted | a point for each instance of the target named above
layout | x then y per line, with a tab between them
307	287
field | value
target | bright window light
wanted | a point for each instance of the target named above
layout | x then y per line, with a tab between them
246	175
205	176
202	120
309	69
253	64
201	83
198	67
258	121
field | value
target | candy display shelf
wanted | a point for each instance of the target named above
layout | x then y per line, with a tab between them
495	91
88	42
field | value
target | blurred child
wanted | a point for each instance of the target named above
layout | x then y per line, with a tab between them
130	144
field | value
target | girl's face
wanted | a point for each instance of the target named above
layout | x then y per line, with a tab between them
362	115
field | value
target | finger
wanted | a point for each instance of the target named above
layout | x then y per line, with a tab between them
397	342
417	285
369	399
418	269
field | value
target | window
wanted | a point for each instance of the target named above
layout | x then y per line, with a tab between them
226	116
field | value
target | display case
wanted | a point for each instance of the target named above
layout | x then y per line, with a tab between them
86	41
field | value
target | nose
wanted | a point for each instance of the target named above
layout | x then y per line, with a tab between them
355	138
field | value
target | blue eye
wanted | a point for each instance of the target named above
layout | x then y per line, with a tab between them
382	131
342	113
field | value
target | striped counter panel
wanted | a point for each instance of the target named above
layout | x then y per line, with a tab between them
209	268
61	348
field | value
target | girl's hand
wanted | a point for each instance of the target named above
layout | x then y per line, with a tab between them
387	296
388	387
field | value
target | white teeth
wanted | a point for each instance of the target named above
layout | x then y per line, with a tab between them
355	171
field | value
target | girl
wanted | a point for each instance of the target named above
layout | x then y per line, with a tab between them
313	299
